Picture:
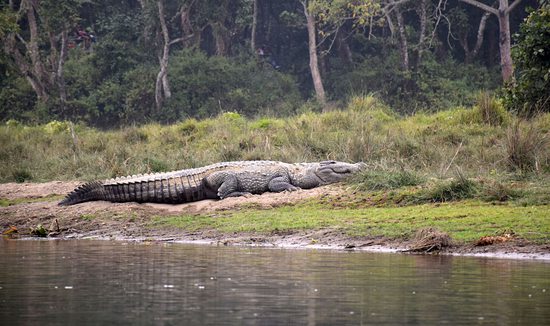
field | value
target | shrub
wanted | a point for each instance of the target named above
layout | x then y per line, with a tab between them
489	110
12	123
188	127
530	93
525	146
456	189
205	86
56	127
433	86
386	180
497	191
21	175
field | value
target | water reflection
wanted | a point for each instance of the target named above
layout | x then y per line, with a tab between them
101	282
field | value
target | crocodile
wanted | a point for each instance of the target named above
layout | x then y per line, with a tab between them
216	181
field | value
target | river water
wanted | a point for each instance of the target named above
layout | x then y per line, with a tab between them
87	282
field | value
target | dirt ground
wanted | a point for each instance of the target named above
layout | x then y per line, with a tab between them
33	204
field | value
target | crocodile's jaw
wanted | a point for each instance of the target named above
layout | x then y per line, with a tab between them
332	171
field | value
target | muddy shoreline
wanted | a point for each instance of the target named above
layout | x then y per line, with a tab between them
30	205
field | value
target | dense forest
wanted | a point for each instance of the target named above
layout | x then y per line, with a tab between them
108	63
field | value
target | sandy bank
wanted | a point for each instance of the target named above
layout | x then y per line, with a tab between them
33	204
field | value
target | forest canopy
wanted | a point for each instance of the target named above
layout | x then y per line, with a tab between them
108	63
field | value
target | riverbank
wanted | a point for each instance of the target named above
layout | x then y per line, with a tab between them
319	218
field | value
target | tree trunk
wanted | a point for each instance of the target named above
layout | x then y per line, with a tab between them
254	26
187	31
45	73
38	70
25	68
162	86
504	40
60	78
403	44
343	47
313	60
470	55
423	16
221	38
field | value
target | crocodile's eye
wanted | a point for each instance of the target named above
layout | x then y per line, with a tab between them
327	163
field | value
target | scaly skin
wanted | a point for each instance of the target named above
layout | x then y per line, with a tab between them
216	181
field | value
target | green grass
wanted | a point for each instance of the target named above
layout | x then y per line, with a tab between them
465	221
489	171
466	209
426	145
88	217
4	202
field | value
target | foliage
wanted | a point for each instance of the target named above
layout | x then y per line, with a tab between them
333	14
530	94
17	99
489	110
39	231
210	85
434	86
8	21
112	81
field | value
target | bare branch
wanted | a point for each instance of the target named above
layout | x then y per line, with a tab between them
512	6
181	39
390	6
480	31
482	6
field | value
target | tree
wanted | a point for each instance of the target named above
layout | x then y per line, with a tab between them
331	16
503	15
38	47
461	26
423	22
254	26
162	86
530	93
313	59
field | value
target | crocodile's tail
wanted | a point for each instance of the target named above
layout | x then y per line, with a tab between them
156	189
86	192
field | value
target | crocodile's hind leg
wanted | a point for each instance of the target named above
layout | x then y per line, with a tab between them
229	187
281	183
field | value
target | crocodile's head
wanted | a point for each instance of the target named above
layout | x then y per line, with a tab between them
334	171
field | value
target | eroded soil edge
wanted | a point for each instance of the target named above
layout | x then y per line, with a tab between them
33	204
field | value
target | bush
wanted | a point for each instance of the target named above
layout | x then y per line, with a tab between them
386	180
526	146
530	93
489	110
498	191
21	175
433	86
16	99
56	127
206	86
457	189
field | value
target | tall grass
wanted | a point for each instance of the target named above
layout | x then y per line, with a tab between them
527	147
430	145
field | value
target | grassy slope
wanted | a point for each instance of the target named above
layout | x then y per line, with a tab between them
464	221
508	160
